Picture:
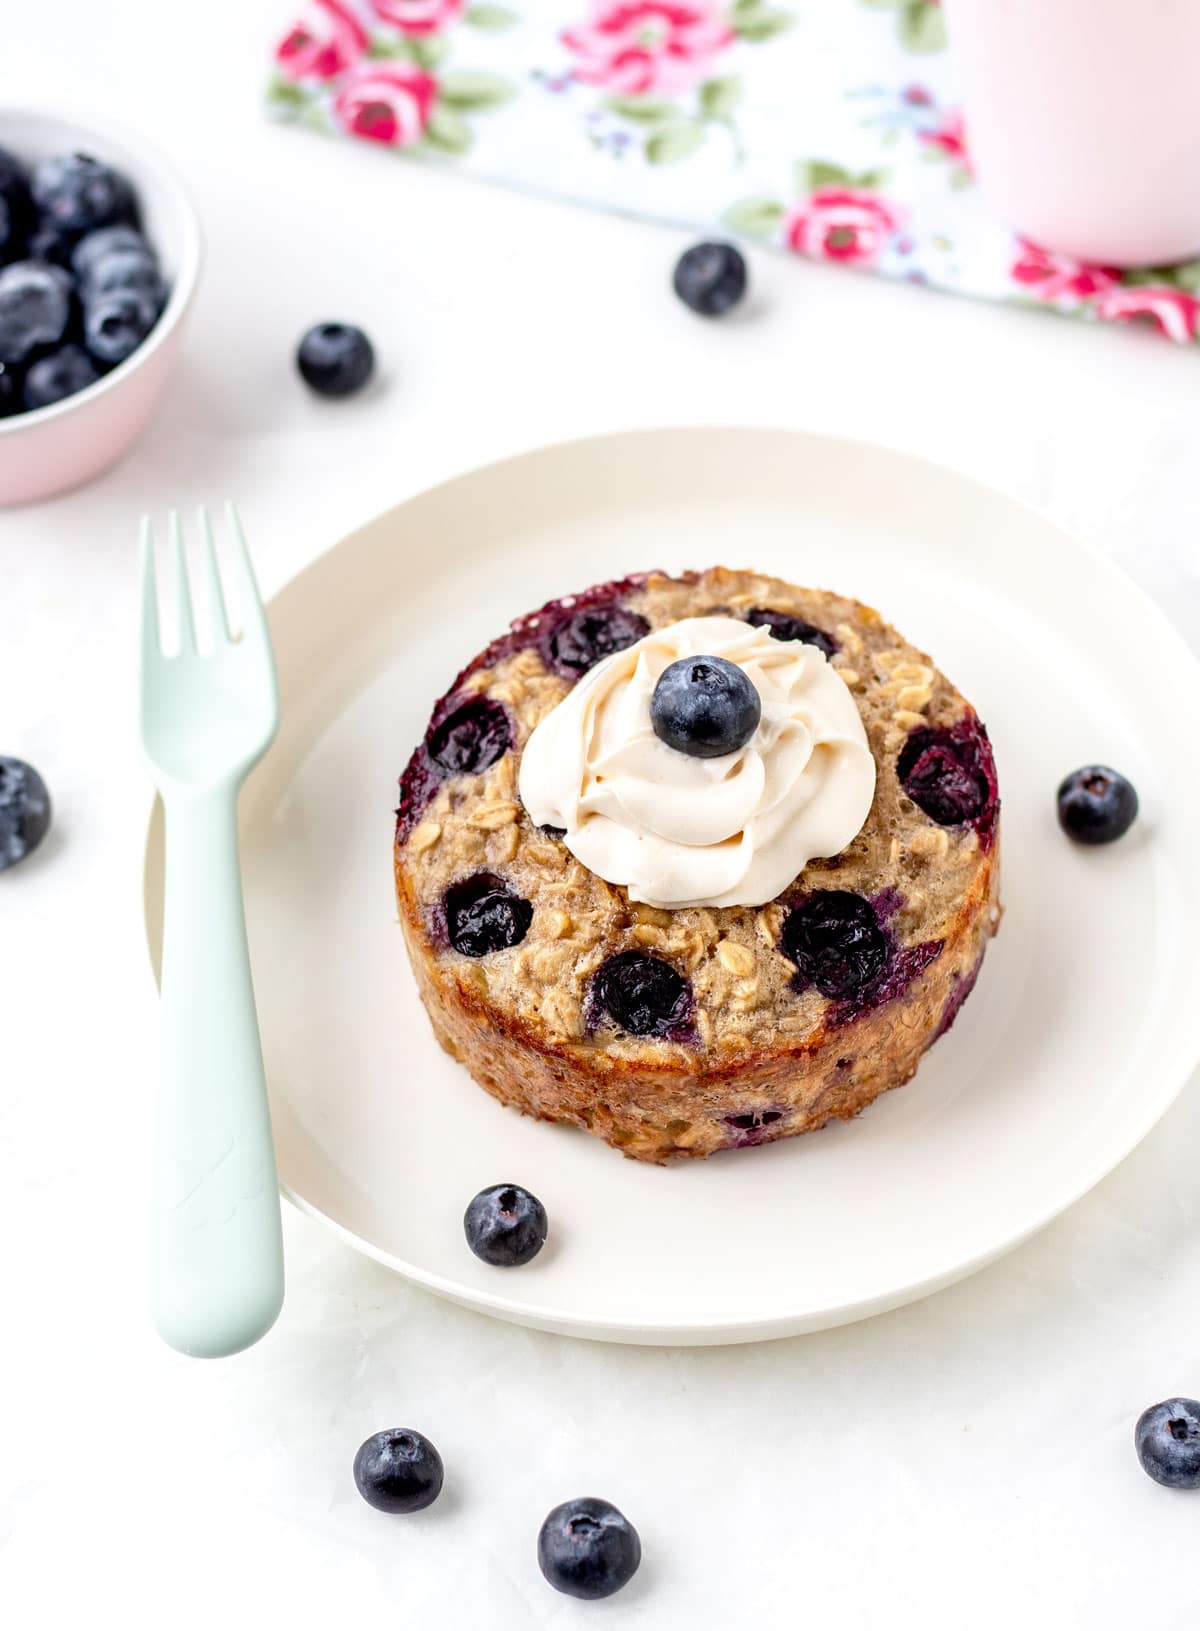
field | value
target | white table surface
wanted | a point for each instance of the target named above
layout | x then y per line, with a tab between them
962	1463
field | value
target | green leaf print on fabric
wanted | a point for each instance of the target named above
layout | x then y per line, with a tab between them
643	110
815	175
492	18
719	97
760	24
671	143
463	89
447	132
919	23
756	217
285	100
429	51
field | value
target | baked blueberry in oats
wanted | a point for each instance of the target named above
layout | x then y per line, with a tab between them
697	862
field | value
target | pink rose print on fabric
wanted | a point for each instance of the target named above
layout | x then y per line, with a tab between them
325	40
1171	311
948	136
386	102
1050	276
635	46
414	17
847	224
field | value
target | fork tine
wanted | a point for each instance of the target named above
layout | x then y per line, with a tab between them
253	618
151	636
183	599
217	609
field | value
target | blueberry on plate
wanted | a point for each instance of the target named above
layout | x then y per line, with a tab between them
59	375
115	324
586	1548
1167	1440
80	193
505	1225
35	308
24	811
105	241
398	1470
705	707
1096	805
335	359
710	278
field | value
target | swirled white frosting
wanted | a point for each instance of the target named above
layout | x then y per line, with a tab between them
682	831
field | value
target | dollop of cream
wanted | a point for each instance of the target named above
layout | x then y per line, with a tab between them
681	831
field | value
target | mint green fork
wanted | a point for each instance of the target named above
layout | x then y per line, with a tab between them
206	720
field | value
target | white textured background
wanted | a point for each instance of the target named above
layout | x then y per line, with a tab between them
963	1463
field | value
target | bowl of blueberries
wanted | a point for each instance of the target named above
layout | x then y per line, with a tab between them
99	255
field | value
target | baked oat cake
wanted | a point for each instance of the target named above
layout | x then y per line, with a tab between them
677	1027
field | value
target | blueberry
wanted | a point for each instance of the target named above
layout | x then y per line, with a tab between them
505	1225
470	738
1167	1440
483	915
642	995
836	942
62	374
13	180
710	278
24	811
335	359
784	626
127	270
115	324
50	244
80	193
35	307
11	230
579	640
941	772
586	1548
1096	805
398	1471
10	391
16	206
97	246
705	707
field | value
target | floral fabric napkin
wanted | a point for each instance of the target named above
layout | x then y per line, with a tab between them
827	128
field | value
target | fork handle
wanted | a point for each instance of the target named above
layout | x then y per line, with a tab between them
218	1251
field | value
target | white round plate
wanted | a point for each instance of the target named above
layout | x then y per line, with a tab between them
1075	1042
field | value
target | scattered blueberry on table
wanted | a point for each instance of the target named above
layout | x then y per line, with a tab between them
587	1548
335	359
80	286
24	811
1167	1440
398	1470
506	1225
705	707
1096	805
710	278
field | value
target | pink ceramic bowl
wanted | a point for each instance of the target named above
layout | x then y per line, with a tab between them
71	441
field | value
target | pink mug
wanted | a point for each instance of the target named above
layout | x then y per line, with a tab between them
1083	118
